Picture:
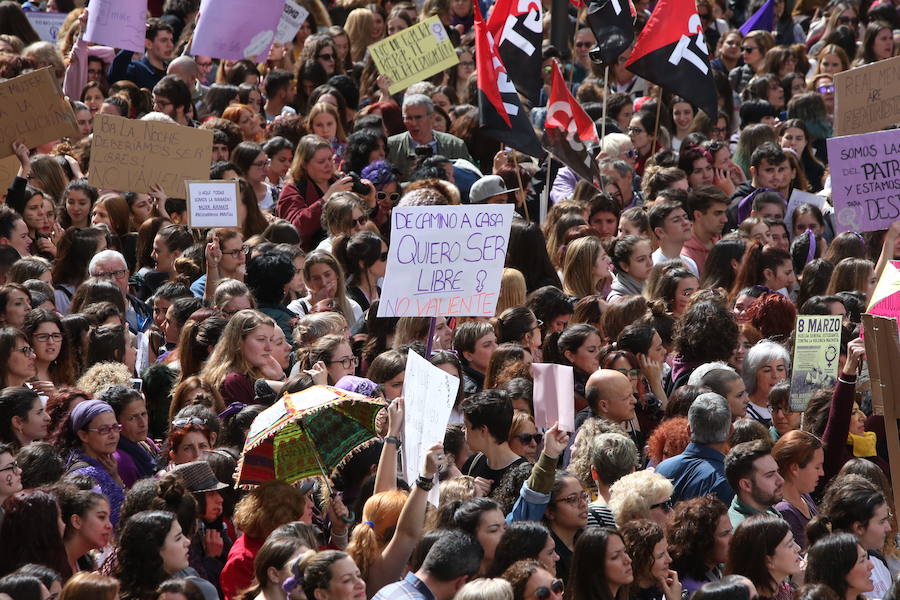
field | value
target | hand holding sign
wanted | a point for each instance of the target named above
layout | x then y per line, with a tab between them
555	441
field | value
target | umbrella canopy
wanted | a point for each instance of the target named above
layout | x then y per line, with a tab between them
307	434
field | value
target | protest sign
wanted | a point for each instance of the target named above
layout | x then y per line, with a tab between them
47	24
33	112
865	180
867	98
797	198
817	343
236	29
130	155
885	301
445	261
117	23
429	394
414	54
291	20
213	203
9	168
554	396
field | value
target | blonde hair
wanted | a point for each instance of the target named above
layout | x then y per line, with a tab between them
411	329
359	25
563	207
323	107
101	376
512	290
229	289
227	356
632	496
267	507
380	515
578	268
313	326
90	586
485	589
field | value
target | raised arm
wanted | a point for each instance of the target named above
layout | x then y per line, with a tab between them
386	475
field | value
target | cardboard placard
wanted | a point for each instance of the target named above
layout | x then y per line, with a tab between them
291	20
213	203
867	98
429	394
236	29
817	343
865	180
117	23
9	168
414	54
445	261
47	24
554	396
33	112
129	155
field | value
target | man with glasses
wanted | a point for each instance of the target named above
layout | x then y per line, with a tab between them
111	265
172	98
281	89
418	111
227	263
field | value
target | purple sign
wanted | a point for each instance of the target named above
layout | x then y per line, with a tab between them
117	23
236	29
865	180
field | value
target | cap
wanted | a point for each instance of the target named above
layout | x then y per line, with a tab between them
198	476
486	187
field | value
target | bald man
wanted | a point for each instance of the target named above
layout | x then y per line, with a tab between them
186	69
610	396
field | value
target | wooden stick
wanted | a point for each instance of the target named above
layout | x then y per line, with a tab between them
519	179
605	98
429	343
545	195
656	127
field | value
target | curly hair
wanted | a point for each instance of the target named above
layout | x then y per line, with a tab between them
266	507
640	538
692	339
692	535
632	496
773	315
671	437
519	573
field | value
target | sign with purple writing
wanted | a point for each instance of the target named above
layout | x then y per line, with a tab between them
865	180
47	24
117	23
445	261
236	29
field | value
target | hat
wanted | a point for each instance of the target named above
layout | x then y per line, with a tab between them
486	187
198	476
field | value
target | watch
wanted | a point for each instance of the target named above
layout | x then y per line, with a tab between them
393	440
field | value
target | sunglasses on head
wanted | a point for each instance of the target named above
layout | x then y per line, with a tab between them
667	505
527	438
633	153
360	221
544	592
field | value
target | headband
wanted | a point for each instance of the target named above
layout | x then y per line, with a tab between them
84	413
232	409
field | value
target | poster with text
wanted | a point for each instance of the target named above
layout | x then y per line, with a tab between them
213	203
817	343
445	261
47	24
429	394
554	396
129	155
414	54
291	20
236	29
117	23
865	180
33	111
867	98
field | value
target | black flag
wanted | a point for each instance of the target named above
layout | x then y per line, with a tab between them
499	111
517	27
612	22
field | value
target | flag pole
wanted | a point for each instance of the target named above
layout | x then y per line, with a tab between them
519	179
545	194
605	99
656	127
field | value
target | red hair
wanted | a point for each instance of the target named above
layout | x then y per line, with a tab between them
773	315
671	437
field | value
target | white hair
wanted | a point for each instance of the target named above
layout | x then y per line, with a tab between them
104	256
158	117
696	378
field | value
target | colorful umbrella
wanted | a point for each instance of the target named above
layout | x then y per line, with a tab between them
307	434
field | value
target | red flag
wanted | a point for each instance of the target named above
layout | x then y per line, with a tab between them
517	27
566	130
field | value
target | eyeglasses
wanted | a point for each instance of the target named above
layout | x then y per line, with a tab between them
576	498
120	274
26	350
204	65
13	466
543	592
106	429
633	153
264	163
186	421
667	505
46	337
583	44
538	325
347	363
825	89
360	221
748	49
394	196
630	373
527	438
237	251
326	56
719	130
383	257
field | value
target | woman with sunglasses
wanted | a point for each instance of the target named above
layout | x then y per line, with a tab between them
649	551
363	255
530	580
524	438
87	441
345	213
753	52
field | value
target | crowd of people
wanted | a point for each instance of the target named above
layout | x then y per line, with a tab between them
136	352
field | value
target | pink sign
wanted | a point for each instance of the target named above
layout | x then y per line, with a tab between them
554	396
117	23
865	180
236	29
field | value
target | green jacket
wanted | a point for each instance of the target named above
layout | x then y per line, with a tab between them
402	156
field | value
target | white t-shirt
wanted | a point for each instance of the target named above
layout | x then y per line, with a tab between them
659	257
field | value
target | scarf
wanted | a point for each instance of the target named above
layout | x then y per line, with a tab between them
863	445
143	460
626	285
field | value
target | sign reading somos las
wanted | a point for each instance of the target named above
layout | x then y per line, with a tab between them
865	180
414	54
445	260
130	155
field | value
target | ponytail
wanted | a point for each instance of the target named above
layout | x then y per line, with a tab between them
817	528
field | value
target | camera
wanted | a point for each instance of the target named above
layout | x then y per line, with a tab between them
358	186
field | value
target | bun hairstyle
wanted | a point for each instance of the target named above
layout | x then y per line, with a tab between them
620	250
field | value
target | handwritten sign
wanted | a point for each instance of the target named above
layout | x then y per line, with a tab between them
865	180
130	156
33	112
236	29
291	19
213	203
117	23
445	260
429	394
817	343
414	54
554	396
867	98
47	25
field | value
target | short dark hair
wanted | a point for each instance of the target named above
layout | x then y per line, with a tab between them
277	80
702	198
173	89
267	274
8	218
660	211
740	459
768	197
154	26
491	409
454	554
769	152
753	111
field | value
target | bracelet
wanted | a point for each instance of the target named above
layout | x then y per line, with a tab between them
426	483
393	440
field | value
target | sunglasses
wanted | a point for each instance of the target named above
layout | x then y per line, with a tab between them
848	20
360	221
394	196
826	89
543	592
186	421
583	44
527	438
667	505
326	56
748	49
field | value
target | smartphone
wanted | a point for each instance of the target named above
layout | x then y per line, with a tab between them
137	384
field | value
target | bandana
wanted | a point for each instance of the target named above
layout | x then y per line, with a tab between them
84	413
